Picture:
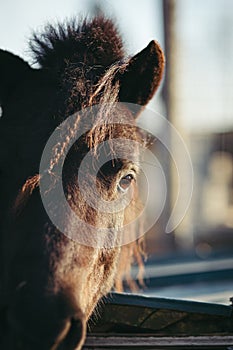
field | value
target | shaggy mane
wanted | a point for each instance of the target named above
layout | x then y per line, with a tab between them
95	42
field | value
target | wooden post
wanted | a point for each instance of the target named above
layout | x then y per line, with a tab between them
171	94
167	94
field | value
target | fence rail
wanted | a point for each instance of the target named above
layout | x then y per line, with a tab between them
150	342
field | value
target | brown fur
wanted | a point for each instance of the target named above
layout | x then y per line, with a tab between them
50	284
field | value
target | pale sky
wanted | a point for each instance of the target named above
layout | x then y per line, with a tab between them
205	38
19	18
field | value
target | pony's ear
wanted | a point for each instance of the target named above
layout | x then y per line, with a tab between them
12	71
142	76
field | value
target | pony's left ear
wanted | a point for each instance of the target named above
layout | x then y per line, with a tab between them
13	70
142	75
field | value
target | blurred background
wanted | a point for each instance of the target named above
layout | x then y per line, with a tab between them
195	261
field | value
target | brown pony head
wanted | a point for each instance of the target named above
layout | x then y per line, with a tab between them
50	282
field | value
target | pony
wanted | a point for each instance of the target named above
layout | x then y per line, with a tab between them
49	282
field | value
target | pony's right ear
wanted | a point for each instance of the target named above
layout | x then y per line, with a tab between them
142	75
12	70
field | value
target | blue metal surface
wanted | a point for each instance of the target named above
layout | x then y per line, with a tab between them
170	304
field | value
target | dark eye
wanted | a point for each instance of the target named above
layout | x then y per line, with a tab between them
125	182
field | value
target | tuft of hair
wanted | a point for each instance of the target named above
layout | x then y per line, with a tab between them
91	42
